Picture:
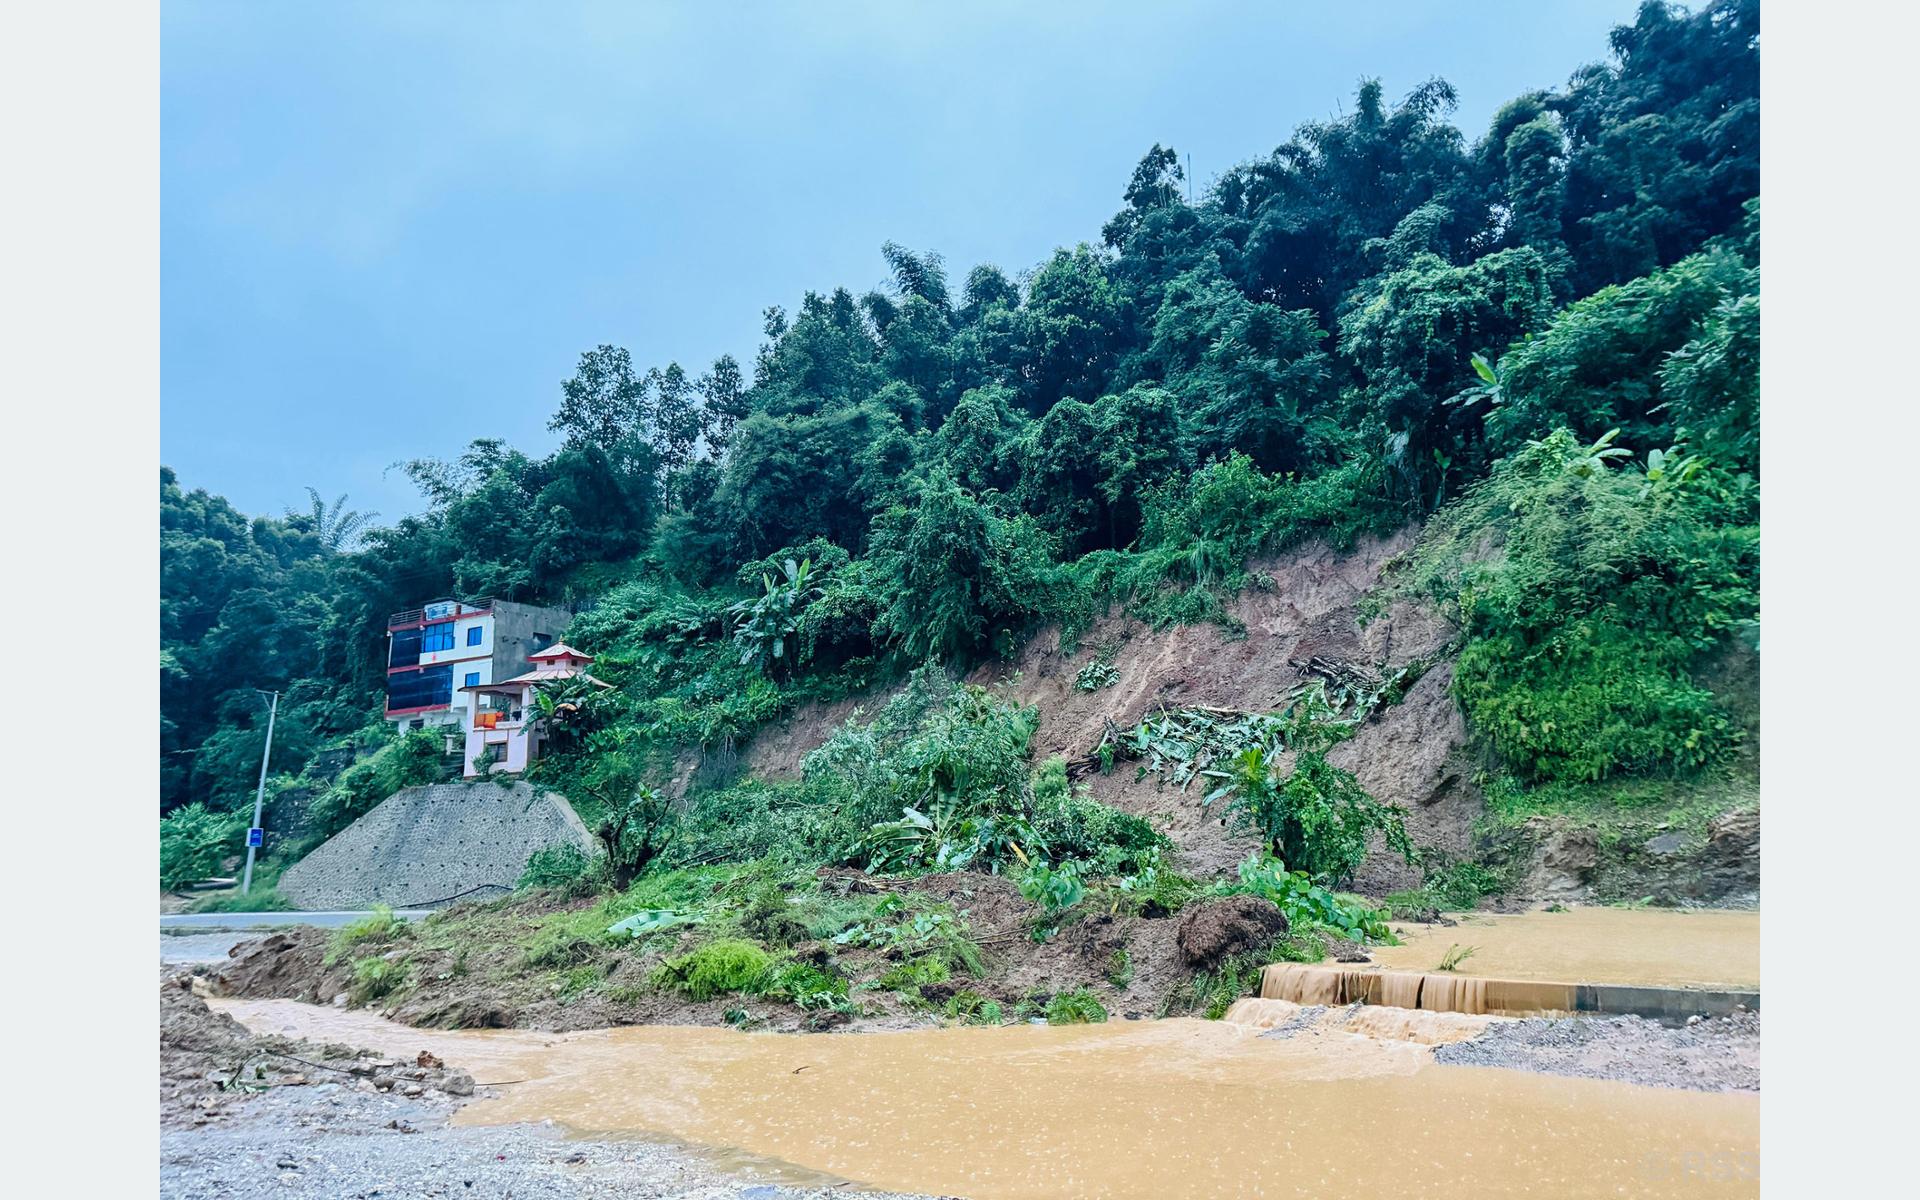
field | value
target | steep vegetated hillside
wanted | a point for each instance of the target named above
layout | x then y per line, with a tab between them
1384	522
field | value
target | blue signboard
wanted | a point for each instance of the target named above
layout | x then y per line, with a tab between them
254	836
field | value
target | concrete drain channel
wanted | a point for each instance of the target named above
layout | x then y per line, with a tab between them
1311	984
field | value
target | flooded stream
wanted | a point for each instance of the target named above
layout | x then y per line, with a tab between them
1127	1109
1650	947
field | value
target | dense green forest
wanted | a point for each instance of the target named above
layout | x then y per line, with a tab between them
1541	340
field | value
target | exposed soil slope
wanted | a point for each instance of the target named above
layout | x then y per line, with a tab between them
1305	603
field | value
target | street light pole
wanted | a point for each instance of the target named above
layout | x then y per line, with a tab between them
260	793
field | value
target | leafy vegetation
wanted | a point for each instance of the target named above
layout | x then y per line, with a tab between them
1076	1007
375	978
1455	955
377	927
722	966
193	843
1539	344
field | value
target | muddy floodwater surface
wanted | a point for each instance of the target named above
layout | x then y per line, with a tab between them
1647	947
1127	1109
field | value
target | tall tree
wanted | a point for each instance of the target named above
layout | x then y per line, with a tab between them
335	525
723	393
676	420
604	402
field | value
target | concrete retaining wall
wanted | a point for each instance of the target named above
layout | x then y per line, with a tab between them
427	844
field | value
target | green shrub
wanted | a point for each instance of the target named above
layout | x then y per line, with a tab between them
938	781
1607	586
1096	675
258	900
565	868
724	966
376	977
913	926
1069	825
1077	1007
910	975
961	574
377	926
193	842
971	1008
415	758
1306	904
1318	819
807	986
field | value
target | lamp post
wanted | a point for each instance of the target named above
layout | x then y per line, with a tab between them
260	793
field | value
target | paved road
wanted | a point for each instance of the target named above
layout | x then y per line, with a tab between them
273	920
206	937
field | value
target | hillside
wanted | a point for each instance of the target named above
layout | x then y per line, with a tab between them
1377	534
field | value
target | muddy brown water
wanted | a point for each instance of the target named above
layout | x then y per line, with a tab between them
1648	947
1173	1108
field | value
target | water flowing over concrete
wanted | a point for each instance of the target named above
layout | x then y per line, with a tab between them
1657	963
1174	1108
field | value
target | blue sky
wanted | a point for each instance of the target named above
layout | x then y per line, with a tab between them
390	228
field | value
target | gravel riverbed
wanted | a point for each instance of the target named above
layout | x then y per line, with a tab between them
1718	1054
338	1142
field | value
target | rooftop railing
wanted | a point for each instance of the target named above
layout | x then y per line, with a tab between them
460	608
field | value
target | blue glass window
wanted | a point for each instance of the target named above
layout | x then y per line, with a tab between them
406	648
474	634
473	679
419	689
436	637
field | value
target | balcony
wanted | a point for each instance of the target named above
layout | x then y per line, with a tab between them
453	608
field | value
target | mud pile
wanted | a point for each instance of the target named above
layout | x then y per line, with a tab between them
209	1063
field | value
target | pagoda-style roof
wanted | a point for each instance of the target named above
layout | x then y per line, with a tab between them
557	651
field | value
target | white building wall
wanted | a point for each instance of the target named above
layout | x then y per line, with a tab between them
465	659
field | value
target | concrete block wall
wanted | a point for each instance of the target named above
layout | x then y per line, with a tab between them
423	845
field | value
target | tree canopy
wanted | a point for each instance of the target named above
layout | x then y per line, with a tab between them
1340	335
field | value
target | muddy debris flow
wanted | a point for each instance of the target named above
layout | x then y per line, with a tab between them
1151	1108
1645	947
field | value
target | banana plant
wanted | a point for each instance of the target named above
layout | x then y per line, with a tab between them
767	624
1594	459
1670	467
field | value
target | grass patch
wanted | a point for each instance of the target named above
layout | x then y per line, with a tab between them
1077	1007
377	927
971	1008
577	982
1628	804
728	965
1305	946
231	901
1455	955
1212	993
807	986
375	978
910	975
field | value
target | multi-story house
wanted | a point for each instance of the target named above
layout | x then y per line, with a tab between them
436	650
503	732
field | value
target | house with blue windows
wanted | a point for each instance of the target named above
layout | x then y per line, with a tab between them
438	649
